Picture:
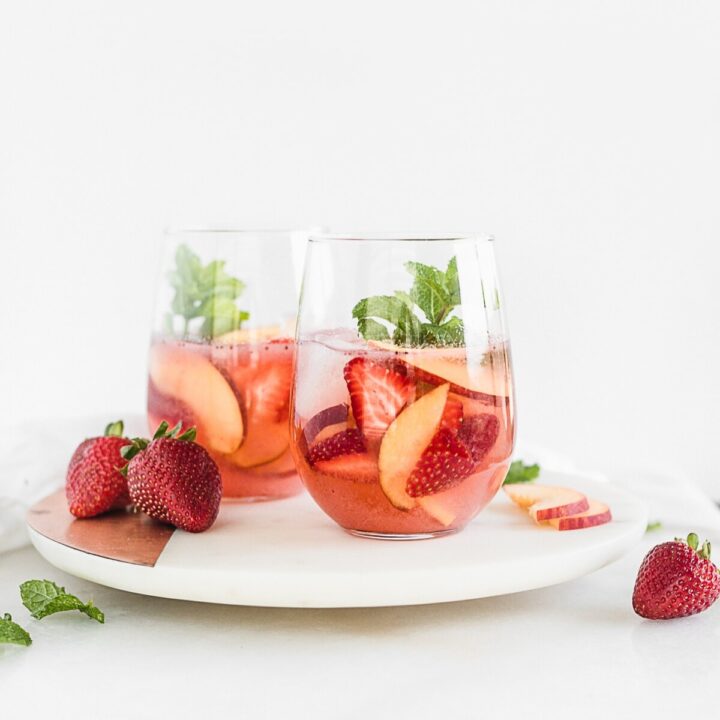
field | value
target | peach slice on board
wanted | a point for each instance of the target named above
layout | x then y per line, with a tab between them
404	442
194	381
546	502
597	514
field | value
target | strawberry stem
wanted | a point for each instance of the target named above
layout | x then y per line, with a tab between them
161	430
114	429
693	541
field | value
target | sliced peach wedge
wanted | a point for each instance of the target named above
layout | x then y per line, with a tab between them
194	381
470	377
405	441
547	502
597	514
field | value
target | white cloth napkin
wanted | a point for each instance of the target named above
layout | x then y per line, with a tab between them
34	457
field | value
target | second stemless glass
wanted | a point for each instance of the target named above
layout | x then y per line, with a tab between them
221	356
402	410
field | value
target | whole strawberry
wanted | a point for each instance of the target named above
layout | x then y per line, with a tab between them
675	580
94	483
173	479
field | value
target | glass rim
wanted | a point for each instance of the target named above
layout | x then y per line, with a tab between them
401	237
222	230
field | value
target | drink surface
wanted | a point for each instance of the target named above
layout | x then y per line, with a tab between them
236	391
401	441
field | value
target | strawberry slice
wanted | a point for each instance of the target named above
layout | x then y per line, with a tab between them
268	394
445	463
452	415
346	442
478	433
377	395
343	455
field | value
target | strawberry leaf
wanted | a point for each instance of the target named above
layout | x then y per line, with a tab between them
114	429
12	633
44	597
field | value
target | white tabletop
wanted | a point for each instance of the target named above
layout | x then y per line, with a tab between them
562	651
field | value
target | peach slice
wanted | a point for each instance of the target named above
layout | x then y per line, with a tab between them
327	418
597	514
434	506
249	335
405	441
264	442
545	502
280	466
471	378
194	381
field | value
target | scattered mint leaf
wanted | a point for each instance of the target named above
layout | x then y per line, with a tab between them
204	292
44	597
11	632
421	316
519	472
654	525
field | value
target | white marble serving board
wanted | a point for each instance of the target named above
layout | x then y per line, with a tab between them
289	554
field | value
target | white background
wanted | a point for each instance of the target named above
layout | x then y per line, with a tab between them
583	135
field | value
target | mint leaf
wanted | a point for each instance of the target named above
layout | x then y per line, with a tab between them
519	472
422	316
372	330
12	633
44	597
428	291
652	526
205	292
449	333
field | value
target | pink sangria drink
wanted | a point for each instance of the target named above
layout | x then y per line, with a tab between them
233	383
404	427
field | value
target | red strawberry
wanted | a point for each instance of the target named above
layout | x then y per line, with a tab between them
174	480
343	455
479	433
452	415
377	394
94	483
267	395
675	580
445	463
346	442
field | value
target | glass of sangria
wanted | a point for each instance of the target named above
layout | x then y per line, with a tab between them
402	411
221	356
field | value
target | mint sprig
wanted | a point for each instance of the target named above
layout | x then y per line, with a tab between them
422	316
44	597
519	472
204	298
12	633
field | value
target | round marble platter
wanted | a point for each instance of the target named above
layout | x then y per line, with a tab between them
289	554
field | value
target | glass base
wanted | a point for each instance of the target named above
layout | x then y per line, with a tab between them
401	536
247	500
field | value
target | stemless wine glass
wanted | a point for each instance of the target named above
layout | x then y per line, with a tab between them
221	356
402	409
